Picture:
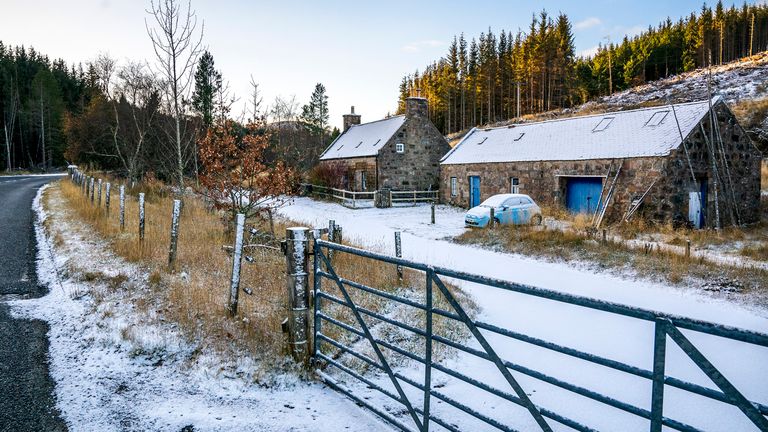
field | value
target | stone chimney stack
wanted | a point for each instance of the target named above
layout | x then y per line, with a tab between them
351	119
416	107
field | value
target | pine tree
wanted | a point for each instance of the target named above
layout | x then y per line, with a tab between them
208	83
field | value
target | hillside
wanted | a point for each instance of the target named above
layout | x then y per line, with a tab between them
743	84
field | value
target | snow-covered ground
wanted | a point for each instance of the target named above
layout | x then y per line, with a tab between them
623	339
149	382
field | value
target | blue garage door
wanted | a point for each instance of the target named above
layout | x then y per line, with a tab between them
583	193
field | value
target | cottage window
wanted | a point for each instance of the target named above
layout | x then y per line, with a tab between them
514	185
603	124
454	192
362	181
400	148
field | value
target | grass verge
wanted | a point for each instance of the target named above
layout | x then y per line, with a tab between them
192	295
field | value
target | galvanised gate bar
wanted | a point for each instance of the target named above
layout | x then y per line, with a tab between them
327	351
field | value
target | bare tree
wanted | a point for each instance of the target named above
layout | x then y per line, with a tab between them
177	47
256	100
136	106
105	67
9	120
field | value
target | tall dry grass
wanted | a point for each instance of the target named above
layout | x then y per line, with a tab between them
194	292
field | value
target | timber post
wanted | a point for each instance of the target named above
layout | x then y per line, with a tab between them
331	237
98	202
399	254
432	209
106	197
141	217
297	262
122	207
91	190
174	233
492	219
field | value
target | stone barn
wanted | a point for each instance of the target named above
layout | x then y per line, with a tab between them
667	163
400	153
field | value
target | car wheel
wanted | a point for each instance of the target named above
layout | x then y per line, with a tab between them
536	220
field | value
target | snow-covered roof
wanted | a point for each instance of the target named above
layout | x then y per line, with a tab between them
364	139
637	133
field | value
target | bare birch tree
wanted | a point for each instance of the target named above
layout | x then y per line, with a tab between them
177	45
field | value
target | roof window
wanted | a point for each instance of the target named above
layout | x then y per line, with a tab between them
377	142
338	149
358	146
519	136
657	118
482	141
603	125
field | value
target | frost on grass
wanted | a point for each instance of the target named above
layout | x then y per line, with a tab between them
118	365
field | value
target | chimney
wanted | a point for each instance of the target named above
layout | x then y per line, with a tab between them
351	119
416	107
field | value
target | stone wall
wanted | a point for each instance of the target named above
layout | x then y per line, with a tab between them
738	183
545	181
354	169
418	167
666	201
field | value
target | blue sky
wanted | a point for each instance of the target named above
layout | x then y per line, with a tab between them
360	50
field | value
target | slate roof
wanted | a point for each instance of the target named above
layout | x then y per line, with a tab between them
363	140
622	134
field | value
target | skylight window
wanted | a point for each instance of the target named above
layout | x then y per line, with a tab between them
603	125
358	146
519	136
657	118
339	149
377	142
483	140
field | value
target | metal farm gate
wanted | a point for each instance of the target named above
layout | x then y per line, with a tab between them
344	338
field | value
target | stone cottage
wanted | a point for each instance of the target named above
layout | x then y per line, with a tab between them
666	163
400	153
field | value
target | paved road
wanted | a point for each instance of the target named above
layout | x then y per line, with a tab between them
27	400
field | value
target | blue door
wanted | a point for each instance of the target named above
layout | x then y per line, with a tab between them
703	190
582	194
474	191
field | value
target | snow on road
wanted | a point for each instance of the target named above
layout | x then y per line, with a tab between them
104	384
615	337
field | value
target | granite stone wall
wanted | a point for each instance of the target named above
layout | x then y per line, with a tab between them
418	166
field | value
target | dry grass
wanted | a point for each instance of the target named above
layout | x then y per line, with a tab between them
193	294
746	283
764	176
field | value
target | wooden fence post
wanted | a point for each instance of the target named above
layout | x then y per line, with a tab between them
688	248
92	189
432	207
331	237
492	220
106	198
98	202
237	259
122	207
141	217
297	260
399	254
174	232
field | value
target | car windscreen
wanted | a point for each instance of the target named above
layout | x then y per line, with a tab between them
494	201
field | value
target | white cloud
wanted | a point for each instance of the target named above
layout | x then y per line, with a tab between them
589	52
418	46
587	23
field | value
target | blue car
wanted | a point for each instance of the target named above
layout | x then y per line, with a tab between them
508	209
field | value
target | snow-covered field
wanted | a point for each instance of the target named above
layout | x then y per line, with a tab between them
149	382
618	338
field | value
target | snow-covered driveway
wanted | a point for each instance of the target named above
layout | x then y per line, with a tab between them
615	337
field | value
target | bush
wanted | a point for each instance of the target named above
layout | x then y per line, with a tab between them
328	174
